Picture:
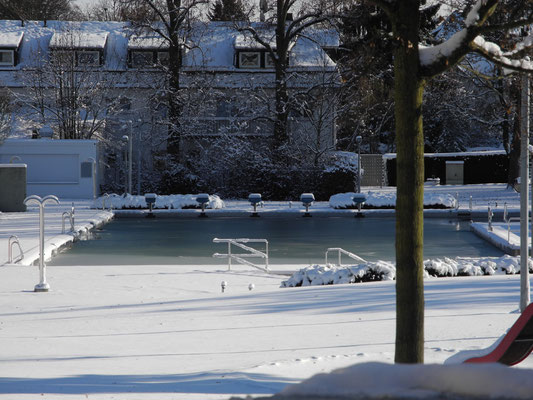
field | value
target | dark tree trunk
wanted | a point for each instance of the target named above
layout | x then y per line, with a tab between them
409	89
175	55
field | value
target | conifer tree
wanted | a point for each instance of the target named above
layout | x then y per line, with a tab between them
228	10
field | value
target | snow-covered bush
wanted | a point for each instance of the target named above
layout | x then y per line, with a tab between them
388	200
381	270
175	201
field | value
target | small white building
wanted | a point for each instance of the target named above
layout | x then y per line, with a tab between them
64	168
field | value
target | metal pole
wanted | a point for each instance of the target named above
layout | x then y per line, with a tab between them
358	139
130	160
524	195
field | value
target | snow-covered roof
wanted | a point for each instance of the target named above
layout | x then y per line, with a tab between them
147	42
11	39
78	39
245	41
211	46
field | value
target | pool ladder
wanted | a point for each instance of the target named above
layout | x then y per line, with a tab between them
70	216
241	258
14	240
340	252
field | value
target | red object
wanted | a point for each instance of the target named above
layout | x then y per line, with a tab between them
516	345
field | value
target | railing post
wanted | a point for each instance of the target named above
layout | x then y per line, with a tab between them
229	256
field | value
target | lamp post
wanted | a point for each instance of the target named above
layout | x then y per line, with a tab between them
129	140
358	140
42	286
524	189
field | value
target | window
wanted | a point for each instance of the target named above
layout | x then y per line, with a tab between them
162	57
62	57
88	58
249	60
269	62
7	58
141	59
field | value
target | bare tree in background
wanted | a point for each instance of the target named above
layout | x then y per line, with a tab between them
172	21
5	115
39	10
287	29
74	99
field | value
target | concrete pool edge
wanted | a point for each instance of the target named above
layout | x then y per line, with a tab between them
57	243
460	214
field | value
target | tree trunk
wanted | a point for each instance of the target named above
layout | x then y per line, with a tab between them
174	56
409	89
281	125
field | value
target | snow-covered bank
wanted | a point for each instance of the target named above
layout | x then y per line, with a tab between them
383	270
379	380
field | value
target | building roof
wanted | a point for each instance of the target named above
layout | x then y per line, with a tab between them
211	47
11	39
78	39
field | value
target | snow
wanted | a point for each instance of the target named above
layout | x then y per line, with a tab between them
417	381
380	199
10	39
176	202
383	270
78	39
167	331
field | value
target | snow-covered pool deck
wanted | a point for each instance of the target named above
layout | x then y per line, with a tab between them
504	236
167	332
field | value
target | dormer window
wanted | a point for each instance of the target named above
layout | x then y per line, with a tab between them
249	59
269	62
148	51
88	58
142	59
9	47
7	58
163	58
86	49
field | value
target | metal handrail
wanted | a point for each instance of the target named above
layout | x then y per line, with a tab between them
70	216
106	196
341	252
13	239
515	219
240	258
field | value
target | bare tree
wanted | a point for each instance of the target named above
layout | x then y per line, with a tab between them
40	10
286	31
5	115
73	97
172	21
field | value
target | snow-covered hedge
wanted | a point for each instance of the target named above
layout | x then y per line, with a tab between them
381	270
174	201
388	200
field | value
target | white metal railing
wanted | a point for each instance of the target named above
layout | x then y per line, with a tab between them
13	239
70	216
241	257
340	252
509	220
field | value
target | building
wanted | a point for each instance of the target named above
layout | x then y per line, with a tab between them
103	80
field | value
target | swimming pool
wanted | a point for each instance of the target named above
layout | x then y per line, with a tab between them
183	241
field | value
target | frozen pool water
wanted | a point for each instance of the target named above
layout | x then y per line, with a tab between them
291	240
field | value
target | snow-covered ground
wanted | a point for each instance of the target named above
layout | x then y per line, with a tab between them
169	332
